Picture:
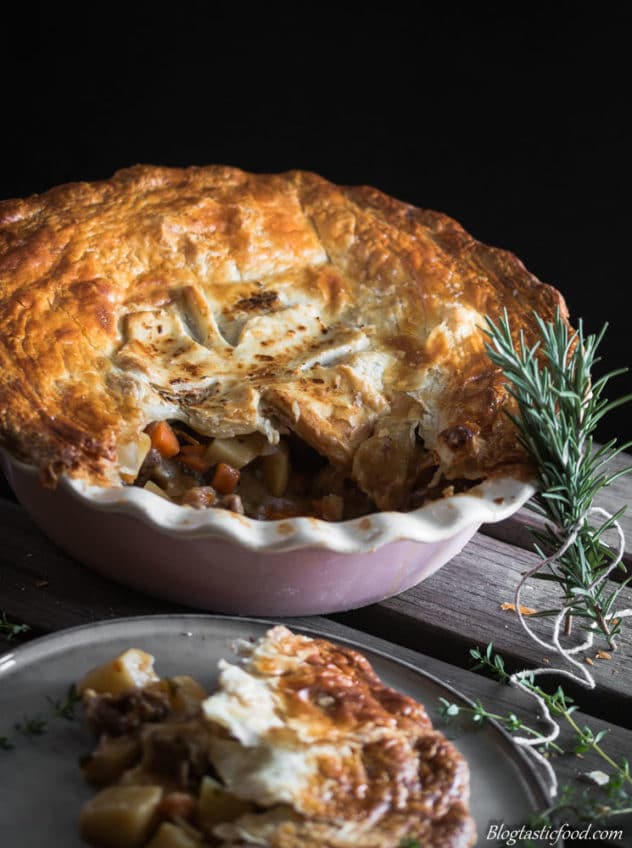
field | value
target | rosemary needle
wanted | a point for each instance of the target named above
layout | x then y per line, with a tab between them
560	406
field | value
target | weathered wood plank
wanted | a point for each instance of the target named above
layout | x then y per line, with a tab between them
515	529
42	586
459	607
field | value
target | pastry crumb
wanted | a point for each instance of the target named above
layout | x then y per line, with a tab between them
509	607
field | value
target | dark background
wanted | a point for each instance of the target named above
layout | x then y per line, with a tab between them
514	121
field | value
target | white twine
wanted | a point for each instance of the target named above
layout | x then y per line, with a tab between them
584	677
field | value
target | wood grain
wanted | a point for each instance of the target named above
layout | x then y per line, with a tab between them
42	586
460	607
516	528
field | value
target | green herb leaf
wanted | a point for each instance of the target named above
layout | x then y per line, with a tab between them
560	405
66	708
448	709
31	726
581	805
9	629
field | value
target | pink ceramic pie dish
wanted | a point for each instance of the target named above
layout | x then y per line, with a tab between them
224	562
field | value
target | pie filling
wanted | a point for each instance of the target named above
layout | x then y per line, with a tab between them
250	476
151	765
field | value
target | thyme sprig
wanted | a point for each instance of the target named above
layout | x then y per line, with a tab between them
479	714
581	806
559	703
614	799
560	406
62	708
65	707
30	726
10	629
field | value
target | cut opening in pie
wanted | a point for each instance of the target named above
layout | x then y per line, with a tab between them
251	476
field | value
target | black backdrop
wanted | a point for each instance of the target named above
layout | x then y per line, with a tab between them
512	120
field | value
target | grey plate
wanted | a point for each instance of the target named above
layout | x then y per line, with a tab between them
42	788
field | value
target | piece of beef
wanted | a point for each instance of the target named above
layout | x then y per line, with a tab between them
178	750
199	497
116	715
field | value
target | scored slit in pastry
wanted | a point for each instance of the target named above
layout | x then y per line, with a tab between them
300	746
337	326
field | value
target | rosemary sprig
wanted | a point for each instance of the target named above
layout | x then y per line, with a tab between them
559	408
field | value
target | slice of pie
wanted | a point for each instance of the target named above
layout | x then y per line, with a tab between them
336	328
301	746
329	754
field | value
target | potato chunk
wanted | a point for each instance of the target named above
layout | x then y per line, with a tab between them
238	451
150	486
133	668
171	836
185	694
276	470
131	456
120	816
216	805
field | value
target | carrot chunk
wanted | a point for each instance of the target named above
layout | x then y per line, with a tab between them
225	478
163	439
195	457
177	805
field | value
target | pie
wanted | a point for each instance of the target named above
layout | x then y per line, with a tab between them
301	746
329	338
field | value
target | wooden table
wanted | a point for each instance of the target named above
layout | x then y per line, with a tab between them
433	625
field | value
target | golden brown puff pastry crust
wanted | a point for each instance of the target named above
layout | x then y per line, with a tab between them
241	302
333	757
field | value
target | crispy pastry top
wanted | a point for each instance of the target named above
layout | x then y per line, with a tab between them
333	757
240	302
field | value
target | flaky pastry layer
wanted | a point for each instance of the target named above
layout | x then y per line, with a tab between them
238	303
331	755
